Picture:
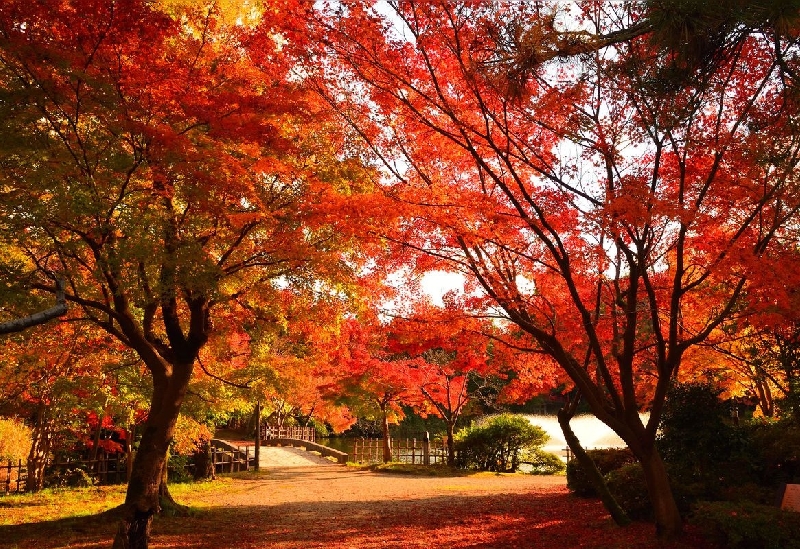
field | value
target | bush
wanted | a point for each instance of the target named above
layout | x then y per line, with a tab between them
629	488
496	443
775	452
695	437
178	469
190	436
70	477
15	440
606	460
543	463
746	525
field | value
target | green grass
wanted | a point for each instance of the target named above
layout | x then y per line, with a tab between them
416	470
69	503
59	503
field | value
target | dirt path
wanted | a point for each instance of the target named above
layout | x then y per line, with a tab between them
300	501
292	483
332	506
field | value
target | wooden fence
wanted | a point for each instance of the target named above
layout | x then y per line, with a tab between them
113	468
13	476
420	451
106	469
308	434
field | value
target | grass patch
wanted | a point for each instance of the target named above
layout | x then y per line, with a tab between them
438	470
60	503
70	503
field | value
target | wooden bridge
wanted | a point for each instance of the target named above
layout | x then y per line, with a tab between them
298	437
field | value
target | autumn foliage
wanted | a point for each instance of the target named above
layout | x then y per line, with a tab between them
230	193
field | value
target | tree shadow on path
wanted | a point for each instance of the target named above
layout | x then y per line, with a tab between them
500	520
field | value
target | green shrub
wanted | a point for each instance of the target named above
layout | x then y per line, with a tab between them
745	525
496	443
606	460
629	488
178	468
695	437
542	462
15	440
775	452
70	477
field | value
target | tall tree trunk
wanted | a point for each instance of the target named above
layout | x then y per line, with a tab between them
96	446
40	449
668	519
129	436
387	448
590	470
146	488
258	436
451	447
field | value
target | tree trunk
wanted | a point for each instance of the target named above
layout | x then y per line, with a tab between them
146	488
129	436
451	447
668	519
387	448
40	448
591	471
203	468
96	446
258	435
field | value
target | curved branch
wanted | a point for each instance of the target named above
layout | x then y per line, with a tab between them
20	324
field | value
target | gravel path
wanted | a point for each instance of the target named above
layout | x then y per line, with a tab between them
294	505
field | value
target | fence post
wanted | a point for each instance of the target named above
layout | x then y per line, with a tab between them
19	476
257	448
426	449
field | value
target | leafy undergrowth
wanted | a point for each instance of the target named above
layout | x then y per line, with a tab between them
546	519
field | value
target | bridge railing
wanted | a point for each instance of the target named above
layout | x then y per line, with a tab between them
308	434
226	458
324	451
